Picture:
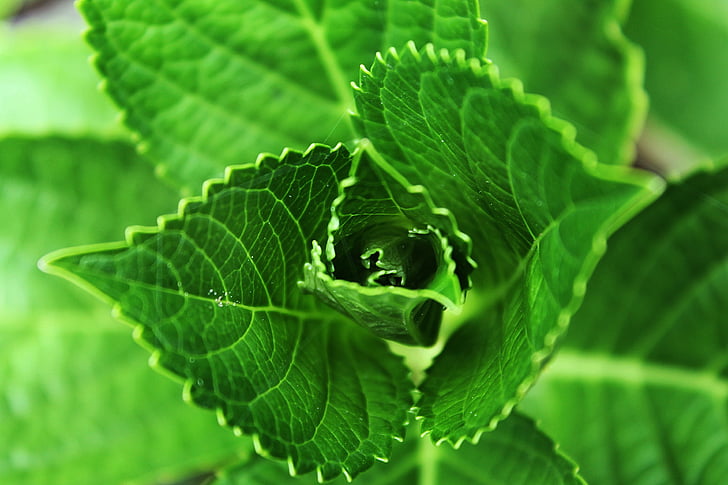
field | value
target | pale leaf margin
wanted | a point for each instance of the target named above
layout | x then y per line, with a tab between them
46	265
652	187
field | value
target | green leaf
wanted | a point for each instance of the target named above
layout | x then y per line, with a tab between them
208	84
639	394
8	7
535	205
80	404
213	290
686	68
388	265
515	453
574	53
47	86
65	191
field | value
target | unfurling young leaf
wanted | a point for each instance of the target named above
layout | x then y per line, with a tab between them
389	263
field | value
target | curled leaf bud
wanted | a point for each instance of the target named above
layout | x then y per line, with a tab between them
385	264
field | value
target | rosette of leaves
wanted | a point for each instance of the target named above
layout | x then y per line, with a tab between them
388	262
269	295
214	290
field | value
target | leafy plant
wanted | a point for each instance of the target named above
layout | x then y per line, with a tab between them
415	253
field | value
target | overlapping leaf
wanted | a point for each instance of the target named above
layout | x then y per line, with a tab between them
686	66
387	263
210	83
80	404
515	453
47	87
214	292
31	170
639	394
573	52
536	207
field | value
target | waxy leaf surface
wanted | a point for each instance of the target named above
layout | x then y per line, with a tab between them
80	404
574	53
214	292
516	453
536	206
639	393
686	67
213	83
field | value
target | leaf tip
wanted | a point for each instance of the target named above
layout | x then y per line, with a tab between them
459	442
392	52
429	52
292	470
365	70
50	263
45	264
657	185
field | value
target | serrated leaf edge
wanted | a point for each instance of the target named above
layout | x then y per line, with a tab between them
364	145
132	232
653	186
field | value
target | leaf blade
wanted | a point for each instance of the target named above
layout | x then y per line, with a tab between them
517	453
535	204
680	40
214	293
66	367
576	55
233	81
657	370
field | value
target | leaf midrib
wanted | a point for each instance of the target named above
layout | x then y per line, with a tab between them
575	365
246	123
328	58
215	43
301	314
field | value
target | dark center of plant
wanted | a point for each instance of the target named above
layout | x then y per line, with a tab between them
387	256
